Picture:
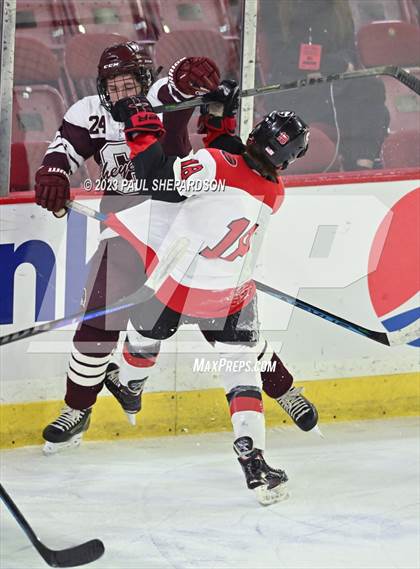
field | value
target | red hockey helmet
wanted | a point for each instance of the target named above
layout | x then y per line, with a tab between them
280	138
120	59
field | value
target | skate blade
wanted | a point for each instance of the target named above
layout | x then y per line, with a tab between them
131	418
316	430
53	448
266	497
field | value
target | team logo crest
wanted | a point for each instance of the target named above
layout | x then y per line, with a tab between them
283	138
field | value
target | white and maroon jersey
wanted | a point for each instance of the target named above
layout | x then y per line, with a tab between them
88	129
227	203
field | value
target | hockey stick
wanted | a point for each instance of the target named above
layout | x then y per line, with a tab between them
400	74
396	338
70	557
146	291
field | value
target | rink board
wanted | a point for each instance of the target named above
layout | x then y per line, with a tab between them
191	412
321	246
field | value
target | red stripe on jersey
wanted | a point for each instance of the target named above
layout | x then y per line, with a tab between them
136	361
147	255
203	303
246	404
239	175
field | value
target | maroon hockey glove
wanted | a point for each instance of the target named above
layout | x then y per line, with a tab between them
193	76
52	188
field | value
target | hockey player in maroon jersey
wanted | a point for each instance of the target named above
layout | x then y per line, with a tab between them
212	285
89	129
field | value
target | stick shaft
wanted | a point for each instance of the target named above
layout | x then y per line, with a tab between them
144	293
85	210
17	514
380	337
400	74
69	557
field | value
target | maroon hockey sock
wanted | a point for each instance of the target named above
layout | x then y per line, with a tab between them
275	383
81	396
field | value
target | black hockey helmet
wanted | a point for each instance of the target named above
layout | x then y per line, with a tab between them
120	59
280	138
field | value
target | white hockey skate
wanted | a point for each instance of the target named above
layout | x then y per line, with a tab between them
67	430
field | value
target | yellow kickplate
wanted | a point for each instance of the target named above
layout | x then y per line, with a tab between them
173	413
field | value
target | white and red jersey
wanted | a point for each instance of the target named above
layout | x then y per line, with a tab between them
228	205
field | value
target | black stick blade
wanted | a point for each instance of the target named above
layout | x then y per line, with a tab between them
408	79
73	556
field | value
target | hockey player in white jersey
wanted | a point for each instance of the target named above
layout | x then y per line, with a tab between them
212	286
140	354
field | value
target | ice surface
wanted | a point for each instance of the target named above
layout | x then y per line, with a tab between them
181	503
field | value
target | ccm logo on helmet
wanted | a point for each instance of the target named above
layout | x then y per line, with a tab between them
111	65
283	138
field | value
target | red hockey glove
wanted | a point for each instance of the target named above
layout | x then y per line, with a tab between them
213	127
52	188
193	76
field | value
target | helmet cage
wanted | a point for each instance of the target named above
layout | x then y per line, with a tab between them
122	59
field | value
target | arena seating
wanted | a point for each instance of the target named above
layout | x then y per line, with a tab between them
38	106
176	44
389	43
107	17
42	20
82	54
395	43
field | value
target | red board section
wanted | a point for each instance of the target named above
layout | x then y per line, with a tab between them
289	182
394	268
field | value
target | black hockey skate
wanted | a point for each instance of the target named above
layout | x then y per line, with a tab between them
129	397
67	430
269	484
300	410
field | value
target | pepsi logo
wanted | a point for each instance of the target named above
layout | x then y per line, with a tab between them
394	269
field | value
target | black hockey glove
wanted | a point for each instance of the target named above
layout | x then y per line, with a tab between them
138	117
223	101
123	109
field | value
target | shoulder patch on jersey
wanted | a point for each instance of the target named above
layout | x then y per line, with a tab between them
230	158
190	167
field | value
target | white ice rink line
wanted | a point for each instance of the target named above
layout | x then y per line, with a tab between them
181	503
